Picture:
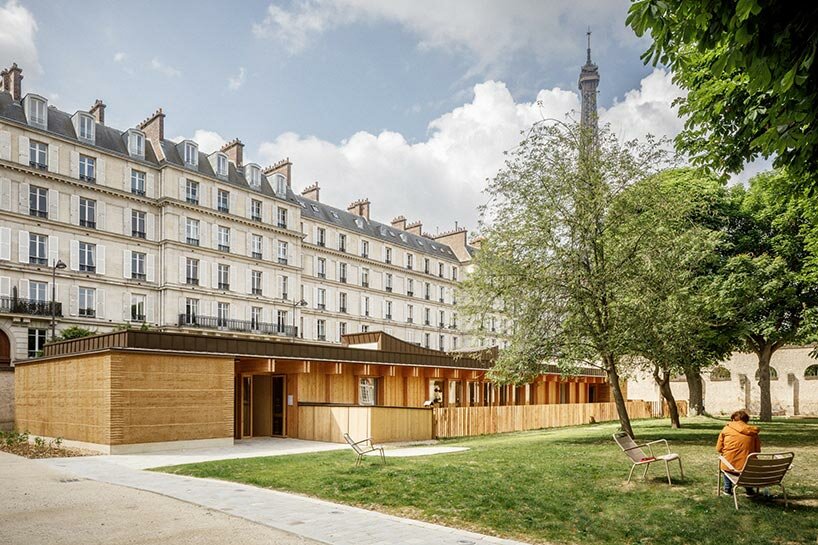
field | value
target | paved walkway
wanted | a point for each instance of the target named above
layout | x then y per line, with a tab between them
44	506
307	517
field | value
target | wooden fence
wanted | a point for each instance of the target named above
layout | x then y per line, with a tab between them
467	421
382	424
658	409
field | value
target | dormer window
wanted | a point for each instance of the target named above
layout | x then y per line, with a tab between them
191	154
221	164
85	127
36	110
136	144
281	185
253	176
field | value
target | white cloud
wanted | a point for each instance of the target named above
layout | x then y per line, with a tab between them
490	30
119	56
235	82
17	32
164	69
440	180
209	141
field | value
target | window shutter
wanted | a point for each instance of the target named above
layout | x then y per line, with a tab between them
101	216
74	255
126	306
248	210
126	264
5	244
23	150
182	233
23	289
100	310
151	269
75	210
149	183
268	288
234	311
182	188
5	286
150	225
53	204
215	196
74	166
22	246
204	235
233	203
214	277
330	300
5	194
127	225
53	249
100	259
149	308
214	235
23	197
73	300
53	158
248	278
100	173
182	269
249	238
361	301
233	274
5	145
204	273
383	309
315	297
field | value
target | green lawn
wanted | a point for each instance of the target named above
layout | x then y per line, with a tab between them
562	486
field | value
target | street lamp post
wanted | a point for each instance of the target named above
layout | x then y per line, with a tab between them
57	265
301	303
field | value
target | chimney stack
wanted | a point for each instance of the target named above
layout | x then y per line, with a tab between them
399	223
234	151
12	81
98	111
416	228
360	208
154	129
476	242
312	192
283	167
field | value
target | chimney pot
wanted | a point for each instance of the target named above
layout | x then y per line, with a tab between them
416	228
360	208
12	82
98	111
399	223
234	151
154	129
312	192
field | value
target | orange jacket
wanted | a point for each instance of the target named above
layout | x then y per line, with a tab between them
737	441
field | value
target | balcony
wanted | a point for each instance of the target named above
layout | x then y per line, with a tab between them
388	316
321	275
138	191
89	179
256	291
409	266
224	209
39	166
426	322
88	313
34	260
138	234
256	255
388	288
88	268
365	283
224	286
342	280
192	199
321	243
427	296
246	326
137	317
282	260
192	281
255	217
410	293
224	248
31	307
88	223
321	306
442	325
138	276
37	213
342	309
409	320
192	241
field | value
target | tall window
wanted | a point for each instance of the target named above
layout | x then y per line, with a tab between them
192	231
427	291
223	200
87	302
138	223
366	305
221	165
282	217
253	176
388	310
441	294
410	314
138	265
454	273
88	213
442	316
255	317
321	236
441	342
192	192
440	269
281	321
342	273
137	307
255	281
367	391
38	291
284	291
38	201
224	276
38	154
191	310
342	328
342	302
282	252
426	265
137	182
321	271
342	242
365	278
321	330
388	255
321	302
257	246
191	154
37	111
136	143
192	271
410	261
255	210
88	168
37	249
427	340
222	313
281	185
36	342
410	287
88	262
86	126
364	248
224	238
388	282
427	316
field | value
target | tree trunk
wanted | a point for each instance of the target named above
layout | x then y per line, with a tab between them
663	380
694	386
765	352
619	399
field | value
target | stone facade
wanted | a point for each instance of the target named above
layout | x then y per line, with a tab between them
160	235
733	385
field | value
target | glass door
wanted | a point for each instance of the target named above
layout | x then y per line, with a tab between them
279	404
246	406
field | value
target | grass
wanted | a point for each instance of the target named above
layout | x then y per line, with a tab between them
560	486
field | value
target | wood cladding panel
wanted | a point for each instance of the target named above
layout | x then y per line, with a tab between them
69	398
382	424
469	421
263	405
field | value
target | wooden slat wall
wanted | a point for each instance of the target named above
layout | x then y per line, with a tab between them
382	424
468	421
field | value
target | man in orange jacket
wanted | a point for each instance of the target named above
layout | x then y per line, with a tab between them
737	440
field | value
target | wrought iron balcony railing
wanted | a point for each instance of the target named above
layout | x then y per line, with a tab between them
15	305
229	324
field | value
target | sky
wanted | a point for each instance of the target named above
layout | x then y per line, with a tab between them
409	103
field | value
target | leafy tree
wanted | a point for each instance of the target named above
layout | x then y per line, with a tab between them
75	332
551	259
766	286
748	67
